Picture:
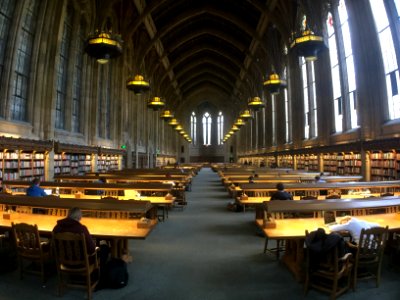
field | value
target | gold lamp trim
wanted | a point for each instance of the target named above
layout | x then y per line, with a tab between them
155	103
137	84
246	114
166	115
255	103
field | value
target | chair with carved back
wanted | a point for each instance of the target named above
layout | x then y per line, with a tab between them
328	270
369	254
75	267
33	252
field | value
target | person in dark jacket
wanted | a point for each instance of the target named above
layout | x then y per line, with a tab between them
280	193
72	224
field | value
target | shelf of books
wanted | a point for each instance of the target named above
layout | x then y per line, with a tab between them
331	163
385	165
23	159
352	164
285	161
312	160
72	163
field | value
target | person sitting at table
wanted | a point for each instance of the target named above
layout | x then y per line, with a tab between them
35	190
318	179
280	193
72	223
353	226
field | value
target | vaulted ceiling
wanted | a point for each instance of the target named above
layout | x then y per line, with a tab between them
193	51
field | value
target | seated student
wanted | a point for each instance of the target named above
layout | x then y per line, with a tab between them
251	179
72	224
318	179
281	194
35	190
352	225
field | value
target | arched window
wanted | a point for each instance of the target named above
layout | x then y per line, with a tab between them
206	129
6	14
309	97
344	97
388	51
273	121
62	72
193	127
288	135
77	83
22	67
220	123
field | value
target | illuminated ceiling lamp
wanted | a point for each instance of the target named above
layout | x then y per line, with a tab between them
137	84
255	103
307	44
178	127
173	122
239	122
274	84
246	114
103	46
155	103
235	128
166	115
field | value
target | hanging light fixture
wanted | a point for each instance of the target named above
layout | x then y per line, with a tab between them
246	114
166	115
173	122
235	128
155	103
239	122
274	83
178	127
103	46
137	84
307	44
255	103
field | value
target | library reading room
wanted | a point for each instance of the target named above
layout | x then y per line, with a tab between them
199	149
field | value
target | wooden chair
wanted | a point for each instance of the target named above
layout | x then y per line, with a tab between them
330	274
280	243
369	254
31	249
75	267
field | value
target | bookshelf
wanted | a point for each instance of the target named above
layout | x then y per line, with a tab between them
285	161
385	165
23	159
330	163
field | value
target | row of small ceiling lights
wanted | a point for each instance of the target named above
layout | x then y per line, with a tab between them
306	45
104	46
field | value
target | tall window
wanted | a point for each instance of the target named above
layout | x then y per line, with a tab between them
62	72
193	127
309	97
388	54
342	69
348	52
104	103
77	83
206	129
20	85
6	13
287	117
220	123
335	72
273	113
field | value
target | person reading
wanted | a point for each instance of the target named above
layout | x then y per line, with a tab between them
35	190
353	226
280	193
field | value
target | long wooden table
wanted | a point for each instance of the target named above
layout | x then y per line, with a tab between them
117	230
293	231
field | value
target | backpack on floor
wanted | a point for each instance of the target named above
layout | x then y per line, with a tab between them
115	274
